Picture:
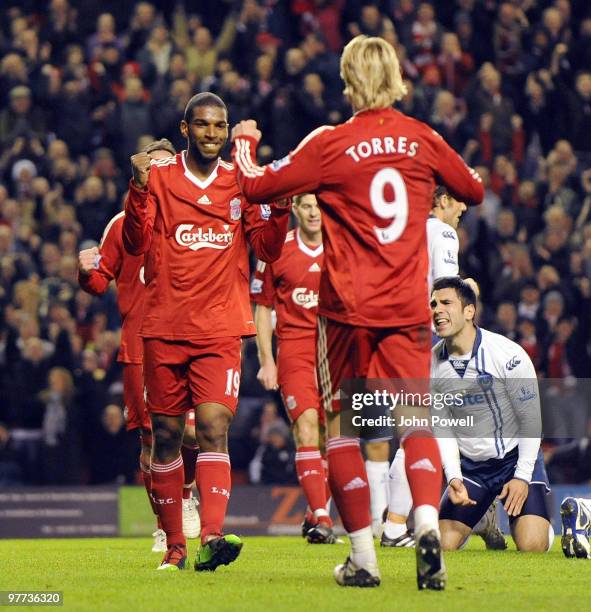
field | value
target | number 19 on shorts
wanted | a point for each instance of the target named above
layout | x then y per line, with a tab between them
232	382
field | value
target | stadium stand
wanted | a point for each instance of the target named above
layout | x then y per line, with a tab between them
84	84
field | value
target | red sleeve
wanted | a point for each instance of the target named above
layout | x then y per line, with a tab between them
299	172
266	227
140	210
463	182
111	257
94	282
262	288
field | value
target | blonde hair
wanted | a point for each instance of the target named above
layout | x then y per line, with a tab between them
371	71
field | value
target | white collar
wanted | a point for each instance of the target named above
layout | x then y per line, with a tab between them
201	184
306	249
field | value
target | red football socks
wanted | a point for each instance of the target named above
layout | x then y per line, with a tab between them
348	482
311	477
214	484
423	468
167	483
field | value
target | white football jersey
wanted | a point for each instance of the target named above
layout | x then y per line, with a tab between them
443	245
497	385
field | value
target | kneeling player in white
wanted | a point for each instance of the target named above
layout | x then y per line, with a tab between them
443	245
499	455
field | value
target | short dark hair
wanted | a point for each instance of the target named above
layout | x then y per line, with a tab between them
297	199
463	289
203	99
160	145
439	192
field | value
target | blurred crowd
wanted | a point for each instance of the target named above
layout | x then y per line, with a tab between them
83	85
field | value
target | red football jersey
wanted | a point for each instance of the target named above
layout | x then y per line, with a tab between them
374	178
291	285
194	235
128	272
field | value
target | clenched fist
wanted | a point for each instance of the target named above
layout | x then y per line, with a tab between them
246	128
88	260
140	166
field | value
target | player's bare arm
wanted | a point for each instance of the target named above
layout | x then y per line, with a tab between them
267	374
140	167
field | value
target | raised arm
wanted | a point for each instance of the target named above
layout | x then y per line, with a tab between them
463	182
266	226
97	267
298	172
140	208
92	276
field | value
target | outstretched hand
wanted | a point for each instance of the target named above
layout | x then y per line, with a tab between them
458	494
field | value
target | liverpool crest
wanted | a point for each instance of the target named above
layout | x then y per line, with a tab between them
235	209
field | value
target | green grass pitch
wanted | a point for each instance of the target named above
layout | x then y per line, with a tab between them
285	574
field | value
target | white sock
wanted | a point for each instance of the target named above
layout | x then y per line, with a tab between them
325	466
377	476
363	552
586	503
426	518
394	530
399	495
550	537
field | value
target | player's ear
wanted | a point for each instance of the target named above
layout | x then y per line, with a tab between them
470	312
184	128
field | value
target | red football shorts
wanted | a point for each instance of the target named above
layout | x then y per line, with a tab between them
181	375
136	414
347	352
296	365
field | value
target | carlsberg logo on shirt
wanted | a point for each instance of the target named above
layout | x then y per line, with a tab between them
304	297
200	238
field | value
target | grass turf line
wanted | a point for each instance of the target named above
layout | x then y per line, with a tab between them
285	574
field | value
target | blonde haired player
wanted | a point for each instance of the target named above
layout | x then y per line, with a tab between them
374	178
